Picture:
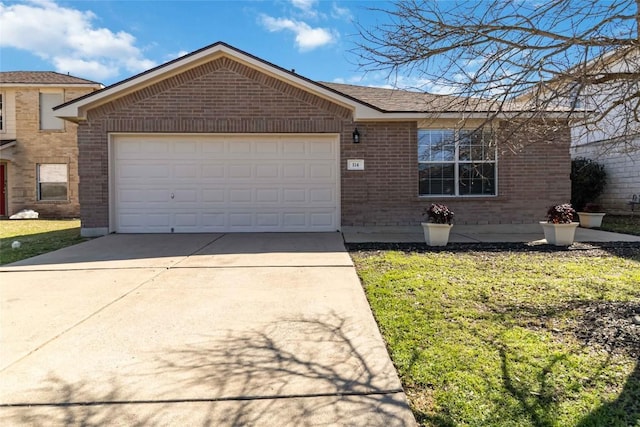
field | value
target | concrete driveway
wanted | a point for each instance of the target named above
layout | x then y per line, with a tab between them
201	329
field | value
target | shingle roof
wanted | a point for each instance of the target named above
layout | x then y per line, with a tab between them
400	100
397	100
41	77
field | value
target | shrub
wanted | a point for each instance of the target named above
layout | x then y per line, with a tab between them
439	214
588	180
561	214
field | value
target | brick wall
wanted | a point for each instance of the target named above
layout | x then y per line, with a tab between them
221	96
533	173
35	146
224	96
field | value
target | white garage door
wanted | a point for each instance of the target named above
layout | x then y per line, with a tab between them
183	184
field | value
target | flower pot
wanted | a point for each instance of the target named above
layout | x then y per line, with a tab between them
559	234
436	234
591	219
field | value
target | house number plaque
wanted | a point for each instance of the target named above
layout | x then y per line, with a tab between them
355	164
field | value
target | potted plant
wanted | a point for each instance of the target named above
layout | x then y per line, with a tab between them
588	181
591	216
559	228
438	225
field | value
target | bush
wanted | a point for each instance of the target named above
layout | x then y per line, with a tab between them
439	214
561	214
588	179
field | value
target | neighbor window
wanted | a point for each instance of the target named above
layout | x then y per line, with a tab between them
1	111
456	163
52	181
48	121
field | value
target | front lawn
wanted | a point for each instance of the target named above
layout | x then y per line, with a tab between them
36	236
511	336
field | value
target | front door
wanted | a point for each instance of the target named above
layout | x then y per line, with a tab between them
3	189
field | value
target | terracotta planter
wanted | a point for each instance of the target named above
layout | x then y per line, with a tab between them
591	219
559	234
436	234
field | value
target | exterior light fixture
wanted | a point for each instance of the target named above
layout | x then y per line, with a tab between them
356	136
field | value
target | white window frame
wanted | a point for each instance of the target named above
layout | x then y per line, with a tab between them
39	182
456	162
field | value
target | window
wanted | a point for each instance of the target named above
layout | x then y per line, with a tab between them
1	112
52	181
456	163
48	121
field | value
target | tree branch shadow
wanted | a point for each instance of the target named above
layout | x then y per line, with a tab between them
282	362
298	372
623	411
541	401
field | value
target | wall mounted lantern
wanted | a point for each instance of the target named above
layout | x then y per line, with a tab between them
356	136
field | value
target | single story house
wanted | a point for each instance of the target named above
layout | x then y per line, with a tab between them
222	141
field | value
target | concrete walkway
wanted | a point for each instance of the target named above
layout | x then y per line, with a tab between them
202	329
501	233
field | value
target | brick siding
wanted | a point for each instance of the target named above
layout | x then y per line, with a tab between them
35	146
224	96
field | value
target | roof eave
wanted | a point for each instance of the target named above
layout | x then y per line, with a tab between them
61	85
412	115
76	110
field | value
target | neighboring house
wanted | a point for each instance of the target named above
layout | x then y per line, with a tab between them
220	140
38	151
614	140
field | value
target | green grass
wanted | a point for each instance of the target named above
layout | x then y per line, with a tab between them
493	338
37	236
622	224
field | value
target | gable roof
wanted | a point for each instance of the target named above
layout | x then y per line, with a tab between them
42	78
366	103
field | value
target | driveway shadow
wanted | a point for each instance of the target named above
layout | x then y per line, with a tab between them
298	372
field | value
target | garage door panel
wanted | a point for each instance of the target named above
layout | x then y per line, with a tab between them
294	195
215	220
225	183
213	171
239	147
213	195
268	195
268	171
186	171
294	171
240	171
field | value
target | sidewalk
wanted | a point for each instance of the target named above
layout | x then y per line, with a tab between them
495	233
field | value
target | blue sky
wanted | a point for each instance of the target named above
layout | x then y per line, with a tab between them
108	41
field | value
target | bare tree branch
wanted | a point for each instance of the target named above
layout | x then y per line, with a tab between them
517	57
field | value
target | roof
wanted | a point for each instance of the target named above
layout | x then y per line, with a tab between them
41	78
76	110
366	103
399	100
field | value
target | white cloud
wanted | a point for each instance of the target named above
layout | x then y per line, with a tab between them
306	5
68	39
175	55
307	37
343	13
